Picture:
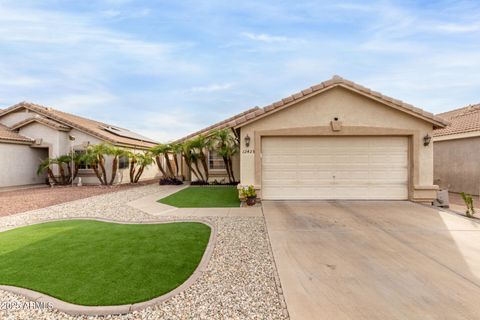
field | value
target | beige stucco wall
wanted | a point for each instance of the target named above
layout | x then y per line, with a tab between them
15	117
457	166
19	164
353	110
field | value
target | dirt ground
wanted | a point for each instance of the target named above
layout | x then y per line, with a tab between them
21	200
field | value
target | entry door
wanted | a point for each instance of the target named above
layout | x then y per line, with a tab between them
334	168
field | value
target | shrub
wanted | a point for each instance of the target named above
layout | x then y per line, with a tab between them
199	183
469	203
170	181
249	192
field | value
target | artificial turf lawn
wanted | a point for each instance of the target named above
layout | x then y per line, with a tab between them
204	197
97	263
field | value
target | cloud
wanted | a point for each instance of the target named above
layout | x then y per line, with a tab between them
85	102
211	88
263	37
459	28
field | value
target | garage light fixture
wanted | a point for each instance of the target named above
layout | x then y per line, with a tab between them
247	141
426	140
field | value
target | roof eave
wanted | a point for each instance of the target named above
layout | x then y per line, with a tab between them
307	94
60	120
15	141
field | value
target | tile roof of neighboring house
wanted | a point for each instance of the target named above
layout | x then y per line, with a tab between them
103	131
219	125
257	113
8	135
462	120
37	118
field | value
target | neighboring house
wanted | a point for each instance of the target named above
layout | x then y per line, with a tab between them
30	133
457	151
335	140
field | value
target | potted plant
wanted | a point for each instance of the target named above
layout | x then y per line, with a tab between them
250	194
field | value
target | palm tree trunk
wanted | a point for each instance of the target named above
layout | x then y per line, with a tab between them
169	165
101	163
114	169
132	170
159	165
62	173
175	158
188	162
200	174
97	173
203	158
139	174
230	166
69	169
227	164
52	176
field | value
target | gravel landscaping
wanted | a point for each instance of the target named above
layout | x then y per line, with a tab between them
240	281
22	200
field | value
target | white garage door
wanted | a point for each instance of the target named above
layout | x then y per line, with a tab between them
334	168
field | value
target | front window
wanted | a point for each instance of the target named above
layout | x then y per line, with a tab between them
123	162
215	162
82	164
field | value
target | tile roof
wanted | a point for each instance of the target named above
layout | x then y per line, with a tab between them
97	129
219	125
43	120
257	113
462	120
9	135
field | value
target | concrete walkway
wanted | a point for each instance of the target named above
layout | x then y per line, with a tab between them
374	260
149	204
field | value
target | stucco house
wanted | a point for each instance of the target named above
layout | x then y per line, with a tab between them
30	133
456	150
334	140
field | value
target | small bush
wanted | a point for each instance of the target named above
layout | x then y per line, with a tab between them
199	183
223	183
213	183
170	181
249	192
469	203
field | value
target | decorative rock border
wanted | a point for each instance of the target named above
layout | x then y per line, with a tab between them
75	309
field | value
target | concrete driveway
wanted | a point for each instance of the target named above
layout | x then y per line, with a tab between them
374	260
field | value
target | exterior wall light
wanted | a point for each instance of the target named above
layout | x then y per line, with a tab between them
426	140
247	141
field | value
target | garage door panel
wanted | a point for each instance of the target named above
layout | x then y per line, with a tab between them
335	168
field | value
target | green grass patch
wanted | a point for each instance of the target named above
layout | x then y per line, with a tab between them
204	197
97	263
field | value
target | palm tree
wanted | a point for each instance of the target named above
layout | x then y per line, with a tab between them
176	149
138	162
191	159
199	145
91	158
162	151
115	153
45	165
226	145
99	151
61	161
157	153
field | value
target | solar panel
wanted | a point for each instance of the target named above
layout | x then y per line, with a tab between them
127	134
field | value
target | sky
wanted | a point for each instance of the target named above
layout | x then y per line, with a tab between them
168	68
